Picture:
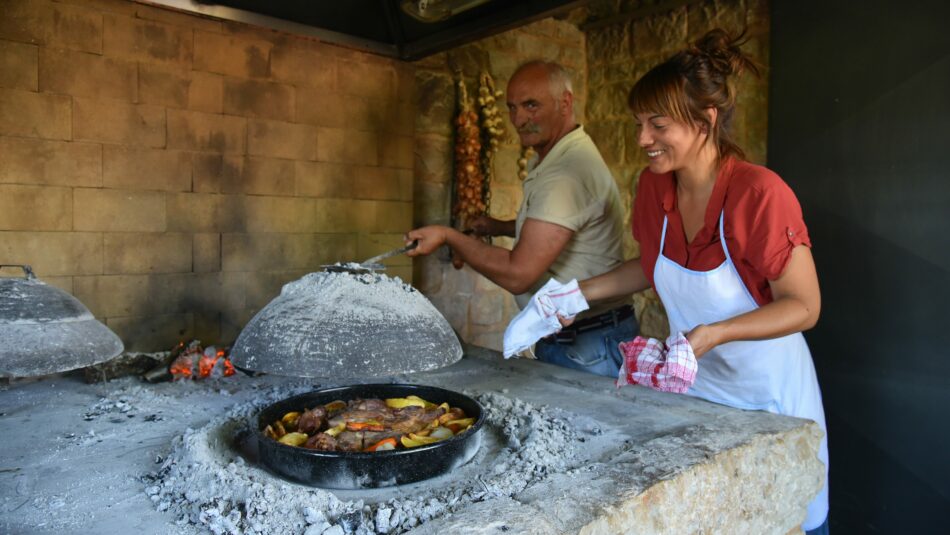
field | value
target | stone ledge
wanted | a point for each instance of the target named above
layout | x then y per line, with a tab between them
664	463
761	487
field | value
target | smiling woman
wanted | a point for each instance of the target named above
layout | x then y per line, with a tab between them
722	242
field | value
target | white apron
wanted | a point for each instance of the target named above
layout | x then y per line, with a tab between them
774	375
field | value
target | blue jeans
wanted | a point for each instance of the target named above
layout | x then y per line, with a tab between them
593	351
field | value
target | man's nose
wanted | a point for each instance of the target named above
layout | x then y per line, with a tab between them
518	118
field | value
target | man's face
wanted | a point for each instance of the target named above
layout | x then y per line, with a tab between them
533	110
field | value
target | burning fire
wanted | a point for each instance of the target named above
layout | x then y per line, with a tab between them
195	362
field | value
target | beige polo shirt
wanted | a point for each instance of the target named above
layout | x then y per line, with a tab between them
572	187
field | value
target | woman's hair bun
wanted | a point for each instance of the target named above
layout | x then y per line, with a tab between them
722	52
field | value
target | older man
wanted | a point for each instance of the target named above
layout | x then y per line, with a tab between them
570	223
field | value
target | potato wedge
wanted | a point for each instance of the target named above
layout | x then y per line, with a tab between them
290	420
293	439
399	403
412	440
336	430
426	404
442	433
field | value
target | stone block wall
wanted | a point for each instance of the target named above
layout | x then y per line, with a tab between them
477	308
173	171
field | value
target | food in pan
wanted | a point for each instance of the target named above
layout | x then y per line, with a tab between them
370	425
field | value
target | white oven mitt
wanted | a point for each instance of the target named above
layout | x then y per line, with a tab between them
539	318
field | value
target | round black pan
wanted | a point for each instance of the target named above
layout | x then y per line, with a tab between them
360	470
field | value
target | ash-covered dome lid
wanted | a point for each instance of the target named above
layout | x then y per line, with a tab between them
345	324
45	330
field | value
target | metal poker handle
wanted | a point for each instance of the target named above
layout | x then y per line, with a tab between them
27	270
395	252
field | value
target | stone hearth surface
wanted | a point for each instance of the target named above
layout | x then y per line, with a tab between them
84	457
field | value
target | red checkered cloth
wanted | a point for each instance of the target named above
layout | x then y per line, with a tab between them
669	367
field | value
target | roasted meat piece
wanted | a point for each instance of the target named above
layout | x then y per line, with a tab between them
411	419
350	441
322	442
312	420
368	404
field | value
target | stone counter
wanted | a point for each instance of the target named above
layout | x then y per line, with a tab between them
76	456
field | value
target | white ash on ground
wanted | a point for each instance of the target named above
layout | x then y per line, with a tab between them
209	486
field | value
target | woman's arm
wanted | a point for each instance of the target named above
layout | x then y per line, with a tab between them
626	279
795	308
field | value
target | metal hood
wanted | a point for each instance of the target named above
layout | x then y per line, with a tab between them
45	330
403	29
340	324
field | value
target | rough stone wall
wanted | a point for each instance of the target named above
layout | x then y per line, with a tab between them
477	308
619	54
173	172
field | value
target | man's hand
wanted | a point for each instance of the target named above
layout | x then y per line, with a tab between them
489	226
430	238
457	261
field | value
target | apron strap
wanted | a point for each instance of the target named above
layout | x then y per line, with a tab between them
663	236
722	236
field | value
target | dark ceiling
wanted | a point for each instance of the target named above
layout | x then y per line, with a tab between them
380	26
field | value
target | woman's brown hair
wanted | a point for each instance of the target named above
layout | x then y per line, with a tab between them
696	79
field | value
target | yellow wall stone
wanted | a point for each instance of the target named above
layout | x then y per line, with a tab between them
118	210
139	168
24	113
136	39
116	122
52	163
54	254
18	65
82	74
151	252
192	130
35	208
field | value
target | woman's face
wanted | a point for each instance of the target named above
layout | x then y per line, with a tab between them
670	145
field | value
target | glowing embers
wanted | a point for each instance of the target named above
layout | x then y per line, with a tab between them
194	362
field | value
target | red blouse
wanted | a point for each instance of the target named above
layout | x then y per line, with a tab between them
763	223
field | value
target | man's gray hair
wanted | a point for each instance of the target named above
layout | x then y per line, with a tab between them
558	76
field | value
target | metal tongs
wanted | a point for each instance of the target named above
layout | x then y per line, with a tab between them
370	265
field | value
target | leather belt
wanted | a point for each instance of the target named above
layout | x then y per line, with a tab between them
611	318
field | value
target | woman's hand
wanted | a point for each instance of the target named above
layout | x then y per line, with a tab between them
702	338
430	238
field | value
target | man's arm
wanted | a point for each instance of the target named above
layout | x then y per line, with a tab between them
516	270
